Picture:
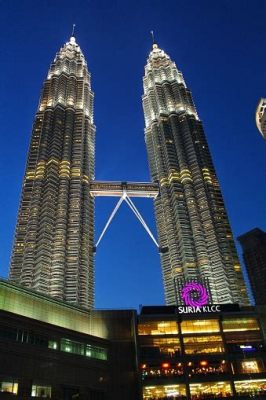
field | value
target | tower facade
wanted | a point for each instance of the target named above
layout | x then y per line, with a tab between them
194	233
261	117
254	254
52	251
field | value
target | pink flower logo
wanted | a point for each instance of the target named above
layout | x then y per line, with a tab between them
193	287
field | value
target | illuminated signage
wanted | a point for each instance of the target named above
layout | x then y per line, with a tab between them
198	310
188	295
210	308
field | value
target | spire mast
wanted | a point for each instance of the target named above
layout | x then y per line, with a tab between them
73	30
152	36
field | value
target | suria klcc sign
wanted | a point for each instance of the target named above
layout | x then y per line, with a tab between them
196	304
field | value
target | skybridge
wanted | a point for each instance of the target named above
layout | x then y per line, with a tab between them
117	189
125	191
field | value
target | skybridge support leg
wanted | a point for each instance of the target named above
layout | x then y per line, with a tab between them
134	210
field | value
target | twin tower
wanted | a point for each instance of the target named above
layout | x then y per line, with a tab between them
54	244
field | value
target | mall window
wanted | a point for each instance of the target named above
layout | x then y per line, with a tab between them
41	391
248	366
8	386
240	324
210	390
244	342
162	370
251	387
243	337
158	328
95	352
203	344
200	326
153	347
69	346
164	392
52	344
208	367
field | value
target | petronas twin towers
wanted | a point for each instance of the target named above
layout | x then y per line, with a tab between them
54	234
54	242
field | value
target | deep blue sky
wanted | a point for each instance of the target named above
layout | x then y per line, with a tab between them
220	48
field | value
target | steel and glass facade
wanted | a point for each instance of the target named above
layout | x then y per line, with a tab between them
52	349
261	117
254	254
52	251
55	350
194	233
201	356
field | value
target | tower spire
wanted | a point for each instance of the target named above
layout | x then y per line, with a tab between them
154	44
73	30
152	37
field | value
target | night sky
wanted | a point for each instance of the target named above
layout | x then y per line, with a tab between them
220	48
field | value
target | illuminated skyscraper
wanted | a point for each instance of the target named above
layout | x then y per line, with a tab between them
254	253
261	117
194	233
54	234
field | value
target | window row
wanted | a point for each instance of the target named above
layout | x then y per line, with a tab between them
197	326
170	347
62	344
206	390
11	386
201	368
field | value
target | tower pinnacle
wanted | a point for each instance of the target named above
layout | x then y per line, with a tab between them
152	36
73	30
154	44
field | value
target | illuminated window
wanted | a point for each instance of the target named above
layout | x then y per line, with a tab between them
158	328
52	345
41	391
69	346
248	366
162	370
251	387
240	324
203	344
208	389
159	347
198	326
9	386
208	367
163	392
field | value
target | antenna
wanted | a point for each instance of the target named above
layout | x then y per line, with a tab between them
152	36
73	30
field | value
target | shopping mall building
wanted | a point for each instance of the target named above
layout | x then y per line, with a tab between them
49	349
